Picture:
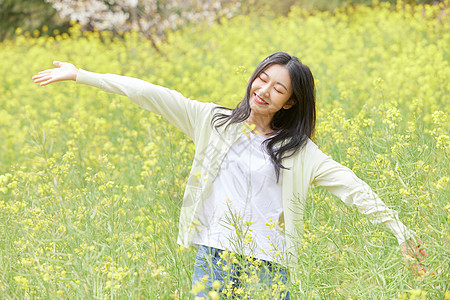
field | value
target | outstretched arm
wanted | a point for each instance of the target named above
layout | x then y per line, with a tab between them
177	109
343	183
64	71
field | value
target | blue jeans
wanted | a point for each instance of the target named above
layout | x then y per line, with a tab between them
238	276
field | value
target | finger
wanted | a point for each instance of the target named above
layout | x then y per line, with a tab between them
420	252
423	252
43	79
47	82
46	71
57	63
418	255
37	76
421	270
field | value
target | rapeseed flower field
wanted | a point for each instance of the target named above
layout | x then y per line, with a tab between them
91	185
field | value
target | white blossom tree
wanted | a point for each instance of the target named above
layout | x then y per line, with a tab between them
150	17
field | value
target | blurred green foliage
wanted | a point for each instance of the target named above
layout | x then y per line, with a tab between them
28	15
284	6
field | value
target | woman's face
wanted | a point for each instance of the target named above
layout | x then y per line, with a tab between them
271	91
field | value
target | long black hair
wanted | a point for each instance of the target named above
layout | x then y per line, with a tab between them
294	125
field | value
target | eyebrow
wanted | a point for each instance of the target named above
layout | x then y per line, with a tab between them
277	81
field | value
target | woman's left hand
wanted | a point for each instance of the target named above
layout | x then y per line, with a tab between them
413	252
64	71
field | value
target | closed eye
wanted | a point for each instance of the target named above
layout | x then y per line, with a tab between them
278	91
265	78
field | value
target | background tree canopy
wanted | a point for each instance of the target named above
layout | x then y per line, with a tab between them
152	18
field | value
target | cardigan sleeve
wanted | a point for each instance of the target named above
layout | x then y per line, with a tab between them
343	183
182	112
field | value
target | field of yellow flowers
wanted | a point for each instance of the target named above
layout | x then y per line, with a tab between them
91	185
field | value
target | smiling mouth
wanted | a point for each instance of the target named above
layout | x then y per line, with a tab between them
260	100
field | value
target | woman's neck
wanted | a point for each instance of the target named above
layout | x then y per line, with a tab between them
262	125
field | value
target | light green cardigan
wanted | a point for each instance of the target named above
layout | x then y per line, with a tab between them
308	166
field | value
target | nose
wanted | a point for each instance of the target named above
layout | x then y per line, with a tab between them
265	90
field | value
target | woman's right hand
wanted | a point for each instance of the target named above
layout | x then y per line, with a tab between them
64	71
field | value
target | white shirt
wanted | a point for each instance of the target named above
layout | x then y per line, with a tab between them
241	212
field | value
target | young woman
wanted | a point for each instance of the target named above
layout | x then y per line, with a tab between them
251	172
